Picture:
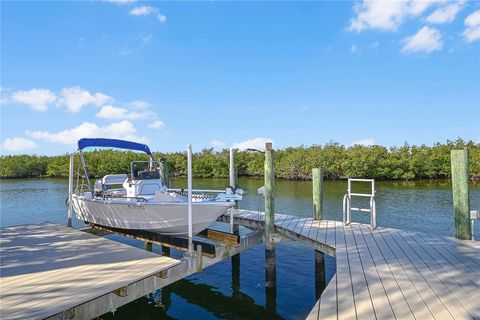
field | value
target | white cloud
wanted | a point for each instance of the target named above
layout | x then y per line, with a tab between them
445	14
353	48
386	15
218	144
362	142
143	11
115	113
472	27
157	124
255	143
38	99
18	144
427	39
138	104
162	18
148	10
118	130
75	98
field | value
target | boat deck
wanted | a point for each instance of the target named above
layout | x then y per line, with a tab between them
47	269
386	273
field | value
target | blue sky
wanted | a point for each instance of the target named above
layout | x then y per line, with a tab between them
217	74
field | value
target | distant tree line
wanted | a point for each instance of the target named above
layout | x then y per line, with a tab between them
337	161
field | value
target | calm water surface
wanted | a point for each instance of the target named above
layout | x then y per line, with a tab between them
214	293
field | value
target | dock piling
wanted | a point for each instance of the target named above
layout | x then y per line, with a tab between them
317	182
317	186
270	265
319	273
70	189
461	201
163	168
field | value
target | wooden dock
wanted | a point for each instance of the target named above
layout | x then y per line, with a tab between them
54	272
386	273
47	269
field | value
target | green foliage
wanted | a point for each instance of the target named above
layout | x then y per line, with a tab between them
337	161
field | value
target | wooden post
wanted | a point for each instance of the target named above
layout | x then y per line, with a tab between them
236	266
461	201
70	190
164	172
270	266
319	273
317	182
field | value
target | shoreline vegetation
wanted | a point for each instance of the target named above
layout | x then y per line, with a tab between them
294	163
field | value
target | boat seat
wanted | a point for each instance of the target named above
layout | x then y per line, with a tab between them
111	179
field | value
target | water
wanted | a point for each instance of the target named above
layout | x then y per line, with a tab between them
214	293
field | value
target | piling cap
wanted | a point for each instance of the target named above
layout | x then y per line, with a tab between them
268	146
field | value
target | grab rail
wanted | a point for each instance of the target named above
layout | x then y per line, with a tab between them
347	203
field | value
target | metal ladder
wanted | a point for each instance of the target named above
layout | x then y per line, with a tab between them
347	203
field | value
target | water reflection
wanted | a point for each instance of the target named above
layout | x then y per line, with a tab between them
238	305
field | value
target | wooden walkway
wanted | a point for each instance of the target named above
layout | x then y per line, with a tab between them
386	273
47	269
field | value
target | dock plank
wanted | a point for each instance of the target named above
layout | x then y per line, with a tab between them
450	279
361	292
376	287
405	301
59	267
328	302
346	306
429	296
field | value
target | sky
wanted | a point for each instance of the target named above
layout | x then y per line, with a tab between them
219	74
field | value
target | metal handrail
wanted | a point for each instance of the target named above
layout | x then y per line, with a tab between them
474	215
347	203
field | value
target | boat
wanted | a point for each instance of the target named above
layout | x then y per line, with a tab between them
141	199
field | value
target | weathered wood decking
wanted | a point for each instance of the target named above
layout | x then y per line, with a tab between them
54	272
386	273
48	268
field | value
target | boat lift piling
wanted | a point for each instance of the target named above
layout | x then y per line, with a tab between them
189	171
70	189
234	228
233	183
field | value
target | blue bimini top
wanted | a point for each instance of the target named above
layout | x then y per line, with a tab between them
113	143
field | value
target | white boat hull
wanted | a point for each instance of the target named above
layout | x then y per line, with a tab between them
163	218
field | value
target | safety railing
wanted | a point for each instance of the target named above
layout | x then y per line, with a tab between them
474	215
347	203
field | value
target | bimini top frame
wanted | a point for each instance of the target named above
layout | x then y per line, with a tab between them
113	143
109	143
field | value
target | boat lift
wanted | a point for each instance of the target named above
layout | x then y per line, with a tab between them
347	203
